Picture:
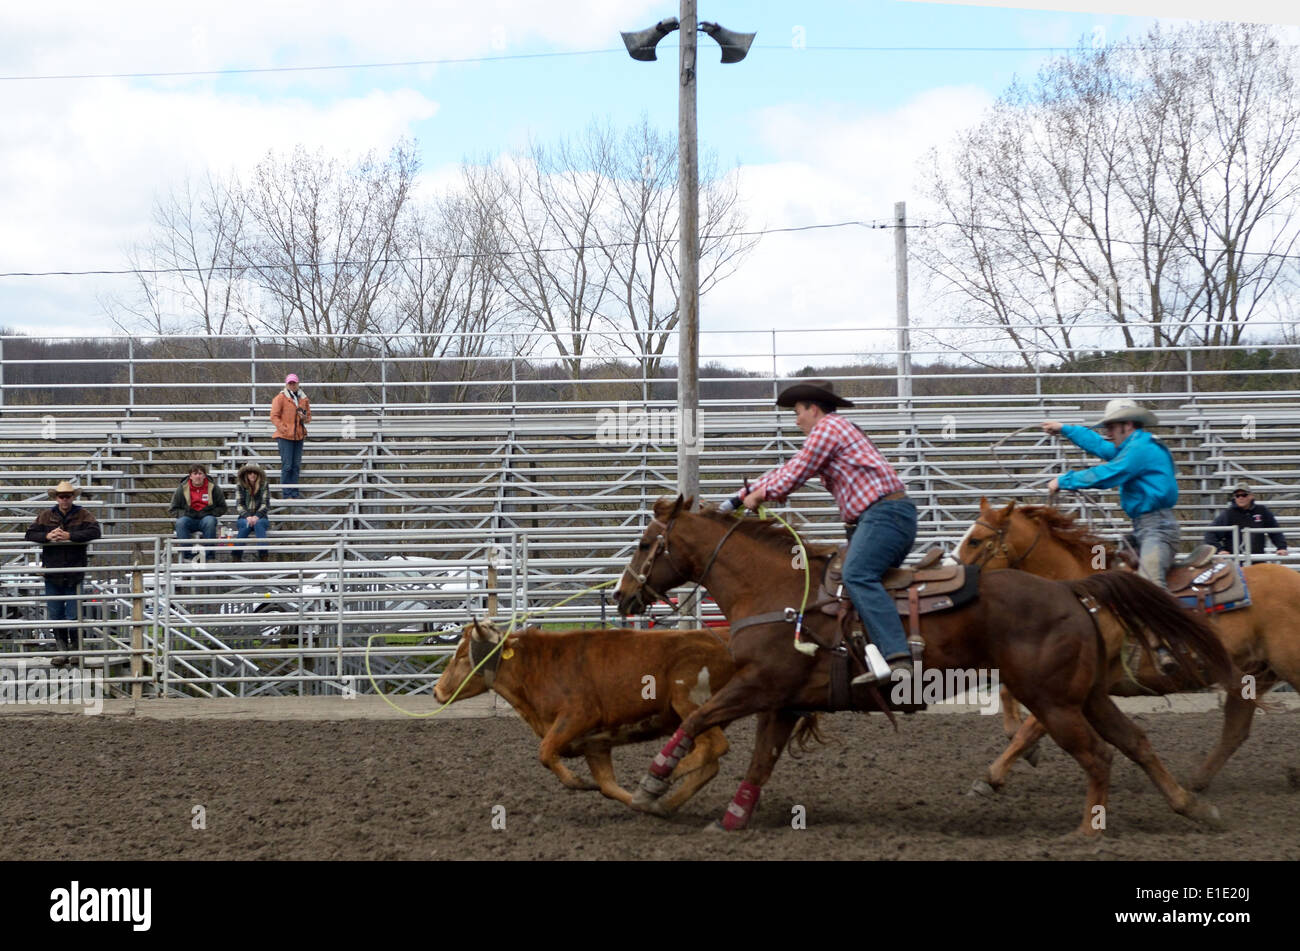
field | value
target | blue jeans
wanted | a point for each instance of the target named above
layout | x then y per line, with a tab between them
58	587
290	466
885	535
259	529
187	527
1155	536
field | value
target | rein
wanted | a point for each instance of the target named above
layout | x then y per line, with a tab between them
642	577
998	545
784	616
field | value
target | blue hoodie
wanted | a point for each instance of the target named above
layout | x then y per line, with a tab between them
1141	466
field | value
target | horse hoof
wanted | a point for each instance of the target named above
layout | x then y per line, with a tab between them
643	802
1080	835
715	826
656	808
981	790
1207	814
1031	757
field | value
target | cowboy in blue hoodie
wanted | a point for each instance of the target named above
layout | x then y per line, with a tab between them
1143	470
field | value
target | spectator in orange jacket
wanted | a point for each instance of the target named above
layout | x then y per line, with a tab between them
290	412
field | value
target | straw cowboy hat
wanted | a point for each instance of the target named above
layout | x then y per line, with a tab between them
65	486
1121	411
811	391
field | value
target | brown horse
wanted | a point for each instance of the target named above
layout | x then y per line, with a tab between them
1037	634
1263	639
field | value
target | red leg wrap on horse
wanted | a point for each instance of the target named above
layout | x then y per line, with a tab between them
741	808
666	760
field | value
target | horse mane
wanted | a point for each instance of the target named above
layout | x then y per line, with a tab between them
1065	529
768	531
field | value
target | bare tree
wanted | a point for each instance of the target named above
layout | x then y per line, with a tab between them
1127	186
325	249
639	237
589	240
190	276
449	292
548	200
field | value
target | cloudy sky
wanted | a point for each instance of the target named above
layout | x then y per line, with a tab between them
823	122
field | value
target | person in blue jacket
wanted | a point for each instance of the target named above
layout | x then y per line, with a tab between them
1143	470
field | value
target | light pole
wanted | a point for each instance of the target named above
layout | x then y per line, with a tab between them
641	46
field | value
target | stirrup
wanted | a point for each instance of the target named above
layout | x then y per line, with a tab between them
878	672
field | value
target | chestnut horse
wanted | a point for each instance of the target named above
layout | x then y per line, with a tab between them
1262	640
1041	636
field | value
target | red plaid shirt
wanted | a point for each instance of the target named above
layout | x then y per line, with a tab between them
850	466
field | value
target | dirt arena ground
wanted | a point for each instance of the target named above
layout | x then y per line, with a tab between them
95	788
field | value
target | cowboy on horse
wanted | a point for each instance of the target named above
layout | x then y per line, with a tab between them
1143	469
879	518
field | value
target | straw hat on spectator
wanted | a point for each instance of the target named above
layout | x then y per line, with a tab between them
64	487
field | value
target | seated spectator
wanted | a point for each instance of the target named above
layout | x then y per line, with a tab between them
63	531
253	508
197	505
1244	512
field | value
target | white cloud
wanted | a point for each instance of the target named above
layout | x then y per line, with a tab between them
83	161
81	174
838	165
68	36
96	163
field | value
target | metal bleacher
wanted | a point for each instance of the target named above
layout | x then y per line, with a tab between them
415	513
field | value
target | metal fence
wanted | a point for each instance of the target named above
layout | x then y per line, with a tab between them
549	477
508	372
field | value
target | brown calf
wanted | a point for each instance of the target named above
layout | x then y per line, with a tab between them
586	691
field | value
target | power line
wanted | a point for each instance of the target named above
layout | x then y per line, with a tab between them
505	57
237	71
1007	229
878	224
117	272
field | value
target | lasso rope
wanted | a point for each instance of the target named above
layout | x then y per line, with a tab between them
802	646
1088	500
500	644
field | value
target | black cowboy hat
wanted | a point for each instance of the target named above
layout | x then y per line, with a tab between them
811	391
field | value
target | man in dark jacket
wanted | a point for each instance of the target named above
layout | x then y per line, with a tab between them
197	504
63	532
1244	512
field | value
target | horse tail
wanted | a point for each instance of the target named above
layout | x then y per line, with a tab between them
806	732
1133	599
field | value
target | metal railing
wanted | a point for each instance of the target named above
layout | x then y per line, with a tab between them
555	474
507	371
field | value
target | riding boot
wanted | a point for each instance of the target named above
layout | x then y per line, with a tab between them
263	555
878	669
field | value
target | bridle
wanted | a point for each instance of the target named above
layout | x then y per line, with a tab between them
660	547
998	545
